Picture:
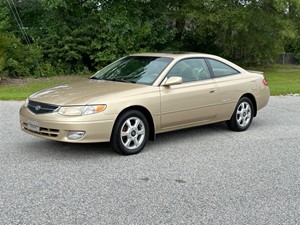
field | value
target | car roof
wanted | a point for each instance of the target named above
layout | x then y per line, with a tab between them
182	55
174	54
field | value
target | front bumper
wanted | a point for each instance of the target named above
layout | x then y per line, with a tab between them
97	127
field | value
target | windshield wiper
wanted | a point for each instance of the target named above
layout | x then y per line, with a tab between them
95	78
122	80
113	79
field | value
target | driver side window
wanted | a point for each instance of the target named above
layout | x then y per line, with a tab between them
193	69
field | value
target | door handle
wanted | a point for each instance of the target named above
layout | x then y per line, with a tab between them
212	91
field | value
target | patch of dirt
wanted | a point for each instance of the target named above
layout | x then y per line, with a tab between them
24	81
14	81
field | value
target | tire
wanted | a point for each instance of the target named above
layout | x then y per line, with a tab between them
130	133
242	116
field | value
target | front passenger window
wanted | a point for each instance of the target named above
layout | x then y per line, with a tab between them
193	69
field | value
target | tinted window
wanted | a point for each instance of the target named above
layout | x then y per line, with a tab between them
190	70
221	69
134	69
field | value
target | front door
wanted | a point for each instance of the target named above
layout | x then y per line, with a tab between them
192	102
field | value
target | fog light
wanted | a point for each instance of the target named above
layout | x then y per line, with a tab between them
75	135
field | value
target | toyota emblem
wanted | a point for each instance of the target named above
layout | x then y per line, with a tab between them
37	108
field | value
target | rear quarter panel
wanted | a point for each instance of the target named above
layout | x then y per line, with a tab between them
232	88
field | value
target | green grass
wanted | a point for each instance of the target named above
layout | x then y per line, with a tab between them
22	89
282	83
282	80
278	68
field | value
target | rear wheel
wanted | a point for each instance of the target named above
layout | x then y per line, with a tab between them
130	133
242	116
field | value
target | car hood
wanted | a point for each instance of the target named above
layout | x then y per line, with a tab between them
84	92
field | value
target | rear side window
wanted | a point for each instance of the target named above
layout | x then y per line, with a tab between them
221	69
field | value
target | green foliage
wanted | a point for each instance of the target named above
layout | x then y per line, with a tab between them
250	32
4	17
17	59
3	43
76	36
137	28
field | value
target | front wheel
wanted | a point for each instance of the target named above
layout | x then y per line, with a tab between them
130	133
242	116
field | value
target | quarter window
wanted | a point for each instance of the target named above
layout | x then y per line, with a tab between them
221	69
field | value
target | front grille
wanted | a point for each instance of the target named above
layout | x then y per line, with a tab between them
41	108
43	131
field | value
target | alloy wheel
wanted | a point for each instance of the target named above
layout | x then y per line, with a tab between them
132	133
243	114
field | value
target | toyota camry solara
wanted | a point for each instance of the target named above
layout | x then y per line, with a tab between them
136	97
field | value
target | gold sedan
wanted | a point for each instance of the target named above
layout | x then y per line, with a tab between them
138	96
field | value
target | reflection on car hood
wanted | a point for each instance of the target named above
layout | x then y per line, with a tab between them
83	92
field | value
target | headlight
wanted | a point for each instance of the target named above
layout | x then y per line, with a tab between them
81	110
91	109
70	110
26	102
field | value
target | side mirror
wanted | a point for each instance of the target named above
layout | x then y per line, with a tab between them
172	81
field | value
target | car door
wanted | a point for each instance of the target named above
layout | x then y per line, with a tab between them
192	102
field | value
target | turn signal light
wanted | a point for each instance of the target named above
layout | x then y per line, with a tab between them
100	108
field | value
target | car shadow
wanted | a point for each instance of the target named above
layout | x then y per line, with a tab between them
195	131
61	149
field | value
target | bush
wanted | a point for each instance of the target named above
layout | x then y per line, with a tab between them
17	59
4	42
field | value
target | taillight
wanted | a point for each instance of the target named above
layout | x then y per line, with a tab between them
265	82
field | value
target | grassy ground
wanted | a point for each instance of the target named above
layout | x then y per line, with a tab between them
20	89
282	79
282	83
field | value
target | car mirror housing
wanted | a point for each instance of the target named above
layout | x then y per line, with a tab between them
173	81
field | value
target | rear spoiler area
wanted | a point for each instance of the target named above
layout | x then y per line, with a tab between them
264	80
253	71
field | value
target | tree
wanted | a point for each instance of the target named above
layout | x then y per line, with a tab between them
72	36
250	32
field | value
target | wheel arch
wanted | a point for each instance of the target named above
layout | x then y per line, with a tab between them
253	100
146	113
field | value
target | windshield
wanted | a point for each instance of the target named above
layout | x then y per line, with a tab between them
134	69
